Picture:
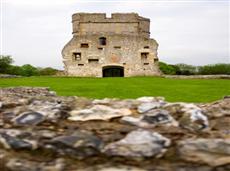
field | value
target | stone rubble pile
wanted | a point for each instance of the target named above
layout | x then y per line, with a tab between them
42	131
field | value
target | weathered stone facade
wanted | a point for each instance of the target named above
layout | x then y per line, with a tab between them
116	46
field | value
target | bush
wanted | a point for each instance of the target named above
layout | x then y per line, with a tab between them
5	62
178	69
47	71
14	70
29	70
167	69
25	70
185	69
214	69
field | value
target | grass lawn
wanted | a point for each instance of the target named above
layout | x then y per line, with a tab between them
187	90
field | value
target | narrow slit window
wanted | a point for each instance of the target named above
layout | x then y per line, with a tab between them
77	56
117	47
144	55
102	41
146	47
93	61
146	63
84	45
80	64
155	59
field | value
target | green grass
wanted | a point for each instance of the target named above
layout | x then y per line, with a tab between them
186	90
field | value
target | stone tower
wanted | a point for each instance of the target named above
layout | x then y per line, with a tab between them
115	46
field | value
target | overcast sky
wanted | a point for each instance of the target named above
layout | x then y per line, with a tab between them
193	32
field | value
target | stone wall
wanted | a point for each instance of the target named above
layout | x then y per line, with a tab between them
198	76
127	36
45	132
119	23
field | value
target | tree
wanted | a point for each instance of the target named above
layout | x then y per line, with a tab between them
186	69
14	70
5	62
167	69
215	69
29	70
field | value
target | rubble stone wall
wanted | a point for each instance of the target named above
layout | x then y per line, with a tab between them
42	131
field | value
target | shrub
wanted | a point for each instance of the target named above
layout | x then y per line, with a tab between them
25	70
214	69
47	71
14	70
29	70
185	69
167	69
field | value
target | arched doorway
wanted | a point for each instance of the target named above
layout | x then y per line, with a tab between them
113	71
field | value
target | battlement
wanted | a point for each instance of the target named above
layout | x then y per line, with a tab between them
101	17
118	23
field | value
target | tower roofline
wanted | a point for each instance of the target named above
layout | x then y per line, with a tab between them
101	17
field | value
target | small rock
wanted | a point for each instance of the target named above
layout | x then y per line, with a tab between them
80	144
46	134
52	93
18	164
57	165
98	112
189	116
8	116
1	123
217	109
10	142
52	110
29	118
11	132
222	123
139	143
15	164
112	168
193	118
26	91
144	107
104	101
126	103
226	97
151	119
214	152
149	99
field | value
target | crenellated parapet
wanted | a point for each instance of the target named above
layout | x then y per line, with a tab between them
118	23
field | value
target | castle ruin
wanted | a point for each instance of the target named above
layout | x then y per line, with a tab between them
114	46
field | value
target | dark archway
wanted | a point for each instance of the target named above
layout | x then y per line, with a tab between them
113	71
